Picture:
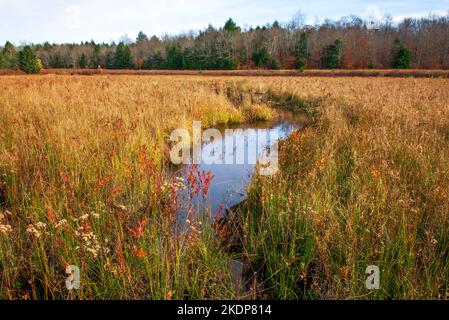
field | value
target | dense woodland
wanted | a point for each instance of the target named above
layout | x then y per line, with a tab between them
350	42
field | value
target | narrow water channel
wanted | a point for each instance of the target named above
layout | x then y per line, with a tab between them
229	183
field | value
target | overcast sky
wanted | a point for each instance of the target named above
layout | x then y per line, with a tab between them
106	20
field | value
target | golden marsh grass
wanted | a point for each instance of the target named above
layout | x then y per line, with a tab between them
83	181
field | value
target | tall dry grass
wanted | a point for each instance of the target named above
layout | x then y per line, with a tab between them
83	181
82	165
366	184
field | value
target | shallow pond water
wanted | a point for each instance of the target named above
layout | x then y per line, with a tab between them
230	179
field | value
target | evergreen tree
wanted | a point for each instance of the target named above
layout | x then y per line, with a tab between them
231	26
261	57
95	61
8	56
9	48
276	25
158	61
122	57
3	63
332	54
141	37
154	61
188	60
28	61
47	46
82	61
274	64
402	56
302	53
226	62
201	58
109	60
174	57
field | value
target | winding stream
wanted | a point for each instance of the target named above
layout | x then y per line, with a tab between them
230	181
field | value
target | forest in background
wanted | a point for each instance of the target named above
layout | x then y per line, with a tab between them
348	43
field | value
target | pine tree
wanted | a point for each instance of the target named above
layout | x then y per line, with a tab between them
9	48
3	62
28	61
82	61
95	60
174	57
122	57
302	53
231	26
109	60
402	56
8	56
274	64
276	25
188	59
141	37
47	46
227	62
261	57
158	61
332	54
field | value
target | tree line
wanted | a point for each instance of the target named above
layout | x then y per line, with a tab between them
350	42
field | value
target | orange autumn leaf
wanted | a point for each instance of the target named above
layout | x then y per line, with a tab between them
51	215
345	272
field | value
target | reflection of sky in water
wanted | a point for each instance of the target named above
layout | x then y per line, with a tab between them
228	187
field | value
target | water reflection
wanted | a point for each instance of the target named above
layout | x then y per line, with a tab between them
230	180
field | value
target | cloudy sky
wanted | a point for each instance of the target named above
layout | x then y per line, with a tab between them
106	20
